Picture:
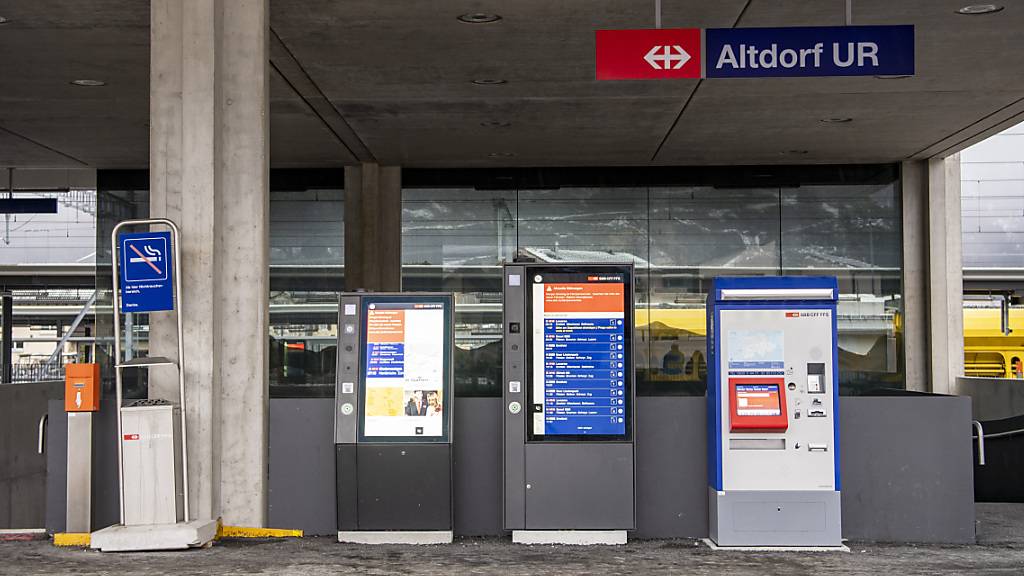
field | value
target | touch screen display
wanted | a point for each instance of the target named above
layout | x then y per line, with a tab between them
758	400
580	354
404	370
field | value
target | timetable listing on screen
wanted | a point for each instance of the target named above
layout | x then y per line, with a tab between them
404	375
580	358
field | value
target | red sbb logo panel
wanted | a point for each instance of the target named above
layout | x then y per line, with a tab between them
646	54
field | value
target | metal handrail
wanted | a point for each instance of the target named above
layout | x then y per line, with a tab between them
41	447
980	437
1004	434
118	360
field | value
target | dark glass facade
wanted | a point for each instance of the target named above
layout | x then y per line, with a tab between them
680	228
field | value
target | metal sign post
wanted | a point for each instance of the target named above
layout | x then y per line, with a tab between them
146	274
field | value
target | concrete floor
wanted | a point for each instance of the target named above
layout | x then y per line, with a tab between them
1000	550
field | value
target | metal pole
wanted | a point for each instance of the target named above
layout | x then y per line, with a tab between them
7	354
175	236
849	12
115	270
657	13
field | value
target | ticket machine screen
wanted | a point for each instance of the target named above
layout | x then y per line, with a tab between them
757	404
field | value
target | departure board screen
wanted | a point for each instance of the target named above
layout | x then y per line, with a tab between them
404	376
580	339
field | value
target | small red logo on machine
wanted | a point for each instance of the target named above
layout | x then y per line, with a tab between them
131	436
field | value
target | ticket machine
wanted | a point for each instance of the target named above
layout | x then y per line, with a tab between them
773	437
568	403
393	418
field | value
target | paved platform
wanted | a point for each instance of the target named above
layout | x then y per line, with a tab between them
1000	551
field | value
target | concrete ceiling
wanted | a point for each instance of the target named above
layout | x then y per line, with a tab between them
392	82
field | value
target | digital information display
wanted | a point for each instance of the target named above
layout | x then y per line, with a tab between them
580	347
758	400
405	370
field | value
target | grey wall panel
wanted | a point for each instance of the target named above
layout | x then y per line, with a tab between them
56	467
302	490
907	474
22	469
477	466
671	467
993	398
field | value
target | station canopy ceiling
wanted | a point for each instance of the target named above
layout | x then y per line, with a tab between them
393	82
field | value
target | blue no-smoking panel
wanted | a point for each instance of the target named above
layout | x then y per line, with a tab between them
146	272
809	51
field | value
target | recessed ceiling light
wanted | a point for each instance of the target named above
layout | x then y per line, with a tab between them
495	124
836	120
488	81
975	9
3	20
479	18
501	154
88	82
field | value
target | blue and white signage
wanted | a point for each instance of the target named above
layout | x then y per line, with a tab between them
146	272
809	51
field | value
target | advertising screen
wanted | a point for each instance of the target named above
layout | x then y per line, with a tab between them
405	371
758	400
580	347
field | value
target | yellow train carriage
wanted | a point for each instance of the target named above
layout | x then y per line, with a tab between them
987	351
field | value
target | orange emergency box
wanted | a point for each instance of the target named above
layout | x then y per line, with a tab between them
81	387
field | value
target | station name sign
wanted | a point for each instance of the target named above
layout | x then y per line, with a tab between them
755	52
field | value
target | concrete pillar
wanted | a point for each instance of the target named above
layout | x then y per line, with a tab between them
945	274
932	275
373	228
209	173
915	275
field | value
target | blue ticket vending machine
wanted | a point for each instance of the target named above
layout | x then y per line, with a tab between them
773	429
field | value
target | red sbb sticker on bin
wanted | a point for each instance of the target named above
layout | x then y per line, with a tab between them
131	436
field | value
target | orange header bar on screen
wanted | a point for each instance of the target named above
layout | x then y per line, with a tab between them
580	297
385	326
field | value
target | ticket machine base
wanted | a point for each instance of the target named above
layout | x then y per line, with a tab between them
572	537
418	537
775	518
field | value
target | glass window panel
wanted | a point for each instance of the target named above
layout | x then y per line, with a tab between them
456	240
307	254
698	233
307	227
853	232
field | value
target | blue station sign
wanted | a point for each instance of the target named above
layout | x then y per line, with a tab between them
809	51
146	272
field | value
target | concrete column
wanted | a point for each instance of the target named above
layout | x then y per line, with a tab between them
209	173
945	274
932	275
915	272
373	228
